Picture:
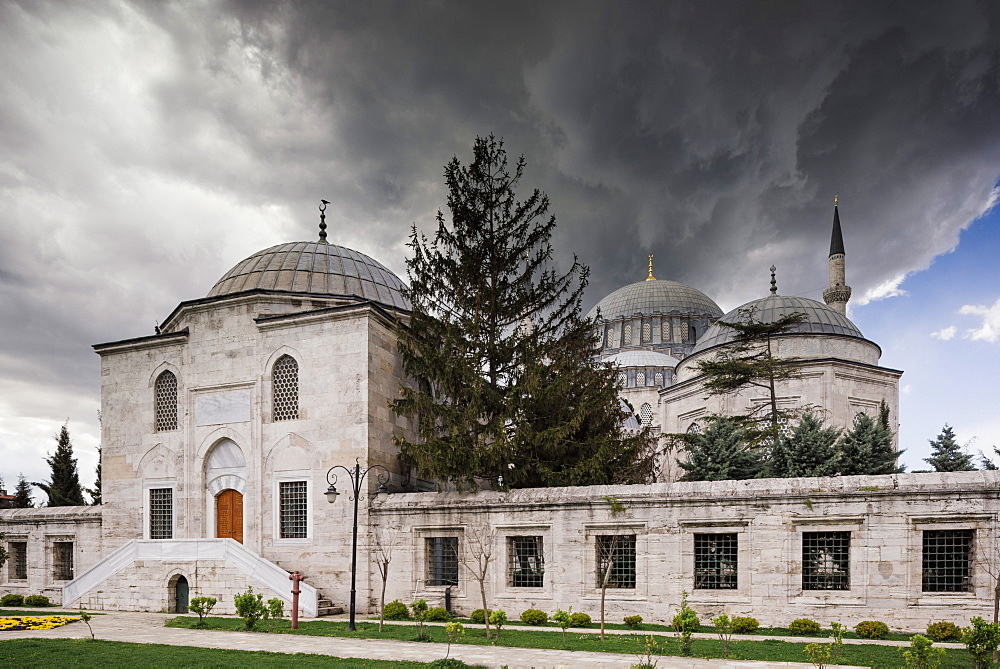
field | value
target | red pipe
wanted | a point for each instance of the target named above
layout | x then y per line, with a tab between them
295	577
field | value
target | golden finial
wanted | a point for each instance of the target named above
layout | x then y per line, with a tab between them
650	277
836	199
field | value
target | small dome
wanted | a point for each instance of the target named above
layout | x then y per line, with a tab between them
655	297
820	319
641	358
314	268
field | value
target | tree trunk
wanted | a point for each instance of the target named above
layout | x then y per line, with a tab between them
604	589
486	611
381	604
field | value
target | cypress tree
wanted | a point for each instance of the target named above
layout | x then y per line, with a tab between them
810	450
22	494
719	452
64	488
867	448
947	455
95	492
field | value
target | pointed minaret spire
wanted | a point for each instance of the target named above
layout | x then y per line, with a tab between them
322	221
838	294
774	282
650	277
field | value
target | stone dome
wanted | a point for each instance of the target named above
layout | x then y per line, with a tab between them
314	268
641	358
655	297
820	319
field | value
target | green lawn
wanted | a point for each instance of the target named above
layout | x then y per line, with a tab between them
633	644
107	654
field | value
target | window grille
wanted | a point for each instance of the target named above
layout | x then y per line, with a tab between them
665	330
19	560
646	413
640	378
627	339
715	561
622	380
612	338
685	332
442	560
62	560
826	560
947	561
285	388
658	379
165	402
526	562
618	554
676	328
293	509
647	332
161	513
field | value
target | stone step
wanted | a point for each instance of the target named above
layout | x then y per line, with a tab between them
326	608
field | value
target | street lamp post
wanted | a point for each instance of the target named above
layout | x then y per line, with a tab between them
356	476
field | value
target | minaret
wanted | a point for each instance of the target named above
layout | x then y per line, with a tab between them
837	295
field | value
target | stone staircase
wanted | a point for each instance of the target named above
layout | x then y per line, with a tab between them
325	607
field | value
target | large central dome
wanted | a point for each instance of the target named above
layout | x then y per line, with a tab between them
655	297
315	268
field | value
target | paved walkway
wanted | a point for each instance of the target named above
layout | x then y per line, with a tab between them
148	628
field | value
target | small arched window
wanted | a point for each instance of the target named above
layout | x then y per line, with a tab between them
165	402
640	378
612	338
622	379
646	414
285	388
665	331
647	332
685	332
627	339
658	379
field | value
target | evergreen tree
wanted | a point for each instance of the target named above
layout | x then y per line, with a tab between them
95	492
947	455
719	452
867	448
64	488
22	494
508	388
810	450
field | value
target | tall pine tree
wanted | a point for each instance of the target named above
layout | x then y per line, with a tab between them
867	448
64	488
508	389
719	452
22	494
95	492
810	450
947	455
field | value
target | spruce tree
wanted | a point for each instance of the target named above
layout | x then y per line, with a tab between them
95	492
810	450
64	488
22	494
719	452
867	448
507	387
947	455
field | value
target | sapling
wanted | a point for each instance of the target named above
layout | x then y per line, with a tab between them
202	606
419	609
454	632
724	627
86	617
564	618
499	618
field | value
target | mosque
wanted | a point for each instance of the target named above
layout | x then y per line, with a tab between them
219	432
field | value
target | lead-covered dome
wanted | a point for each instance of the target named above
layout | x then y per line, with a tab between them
316	268
655	297
820	319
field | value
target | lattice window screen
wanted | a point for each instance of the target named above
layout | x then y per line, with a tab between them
165	402
646	413
622	379
665	330
627	339
647	332
658	379
612	338
285	388
640	378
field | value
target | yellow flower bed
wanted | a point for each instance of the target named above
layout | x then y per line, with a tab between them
35	622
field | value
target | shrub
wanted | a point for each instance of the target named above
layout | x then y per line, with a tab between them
12	600
419	608
872	629
534	617
202	606
686	622
396	610
745	625
498	618
922	654
250	607
564	619
981	640
633	622
438	614
478	616
804	627
447	663
36	600
579	620
943	631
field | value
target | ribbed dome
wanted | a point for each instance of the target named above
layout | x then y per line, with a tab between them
820	319
655	297
641	358
312	267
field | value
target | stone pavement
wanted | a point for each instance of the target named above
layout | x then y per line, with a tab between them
148	628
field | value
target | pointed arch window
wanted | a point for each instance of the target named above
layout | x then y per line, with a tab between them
165	402
640	378
646	414
658	379
285	388
627	339
647	332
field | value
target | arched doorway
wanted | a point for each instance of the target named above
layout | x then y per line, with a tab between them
180	595
229	515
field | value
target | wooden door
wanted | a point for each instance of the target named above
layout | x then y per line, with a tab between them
229	515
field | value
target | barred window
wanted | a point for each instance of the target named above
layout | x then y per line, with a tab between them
285	388
442	560
627	338
293	511
165	402
62	560
658	379
18	560
647	332
161	513
646	413
640	378
826	560
715	561
947	561
617	554
612	338
665	330
526	562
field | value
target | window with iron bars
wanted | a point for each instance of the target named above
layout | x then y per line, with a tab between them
165	402
161	513
526	562
947	561
62	560
715	561
18	560
616	553
826	560
293	503
442	560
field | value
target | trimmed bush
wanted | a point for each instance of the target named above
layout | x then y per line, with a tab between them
944	631
804	627
12	600
579	620
534	617
478	616
36	600
745	625
396	610
872	629
633	622
438	614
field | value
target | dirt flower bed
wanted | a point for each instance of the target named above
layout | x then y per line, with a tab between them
35	622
